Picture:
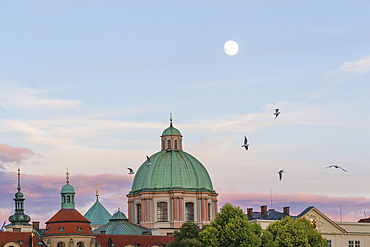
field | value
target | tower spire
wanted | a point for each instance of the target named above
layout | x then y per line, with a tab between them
67	176
171	119
19	178
97	193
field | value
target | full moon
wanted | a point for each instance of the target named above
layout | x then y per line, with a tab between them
231	47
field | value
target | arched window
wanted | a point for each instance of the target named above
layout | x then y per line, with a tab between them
162	211
64	199
80	244
138	207
169	144
60	244
73	198
163	144
175	144
68	199
209	211
189	211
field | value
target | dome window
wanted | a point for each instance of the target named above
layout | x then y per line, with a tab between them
169	144
162	211
189	211
138	207
163	144
175	144
60	244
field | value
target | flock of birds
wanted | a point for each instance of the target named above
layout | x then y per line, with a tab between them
276	114
245	145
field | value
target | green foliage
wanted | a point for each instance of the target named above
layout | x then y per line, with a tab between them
295	233
187	236
231	228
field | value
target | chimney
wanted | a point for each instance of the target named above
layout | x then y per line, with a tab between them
250	212
286	210
263	211
102	232
36	225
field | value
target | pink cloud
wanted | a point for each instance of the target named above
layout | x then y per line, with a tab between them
12	154
352	207
42	194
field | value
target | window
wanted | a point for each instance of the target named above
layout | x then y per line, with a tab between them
329	243
79	229
350	244
60	244
168	144
189	211
175	144
61	229
68	199
209	211
162	211
138	207
357	243
163	144
64	199
80	244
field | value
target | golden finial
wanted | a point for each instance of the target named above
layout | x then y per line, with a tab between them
19	169
119	208
67	176
170	118
97	193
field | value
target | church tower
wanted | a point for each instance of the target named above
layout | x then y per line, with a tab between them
19	220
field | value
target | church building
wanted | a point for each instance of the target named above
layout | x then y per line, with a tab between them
172	189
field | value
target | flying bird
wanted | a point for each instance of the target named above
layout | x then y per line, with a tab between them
245	145
336	166
131	170
276	113
280	174
149	163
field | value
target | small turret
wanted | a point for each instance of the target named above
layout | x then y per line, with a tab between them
68	195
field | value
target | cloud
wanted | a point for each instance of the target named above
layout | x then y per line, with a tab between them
26	98
348	69
352	207
14	154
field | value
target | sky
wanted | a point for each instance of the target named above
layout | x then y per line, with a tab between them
90	85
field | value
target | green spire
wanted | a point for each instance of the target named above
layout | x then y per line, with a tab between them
19	218
68	194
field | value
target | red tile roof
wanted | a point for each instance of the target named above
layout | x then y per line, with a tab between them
67	215
18	237
122	240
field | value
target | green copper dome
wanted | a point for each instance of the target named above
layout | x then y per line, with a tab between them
171	131
172	170
68	189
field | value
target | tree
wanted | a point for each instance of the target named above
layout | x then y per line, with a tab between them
187	236
231	228
293	233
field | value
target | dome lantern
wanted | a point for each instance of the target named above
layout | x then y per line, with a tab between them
171	138
68	195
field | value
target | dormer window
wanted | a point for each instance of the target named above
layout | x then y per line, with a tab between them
61	229
79	229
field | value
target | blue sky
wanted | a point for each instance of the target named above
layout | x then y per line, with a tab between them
90	85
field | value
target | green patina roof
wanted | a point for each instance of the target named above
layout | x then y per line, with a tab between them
67	189
171	131
119	216
118	226
97	214
172	170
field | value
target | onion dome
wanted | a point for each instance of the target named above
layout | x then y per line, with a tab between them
97	214
172	169
119	225
19	217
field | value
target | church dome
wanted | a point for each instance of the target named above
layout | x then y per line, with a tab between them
67	189
171	131
172	170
